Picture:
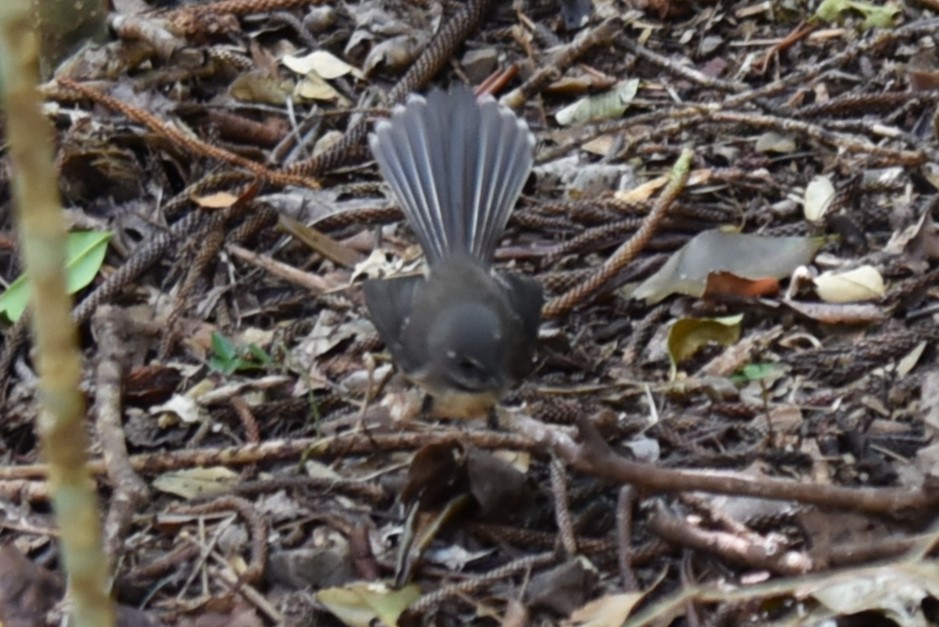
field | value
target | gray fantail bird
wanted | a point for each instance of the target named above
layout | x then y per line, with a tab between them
457	165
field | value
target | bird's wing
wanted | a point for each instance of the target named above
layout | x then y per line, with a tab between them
389	303
526	299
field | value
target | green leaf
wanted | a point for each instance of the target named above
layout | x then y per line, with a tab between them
875	15
359	604
84	254
756	372
224	366
223	347
259	355
229	358
879	17
831	10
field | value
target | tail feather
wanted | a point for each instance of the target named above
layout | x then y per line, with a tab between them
456	166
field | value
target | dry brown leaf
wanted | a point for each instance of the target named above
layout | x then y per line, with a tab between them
729	286
840	313
218	200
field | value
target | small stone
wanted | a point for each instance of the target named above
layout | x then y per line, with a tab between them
480	63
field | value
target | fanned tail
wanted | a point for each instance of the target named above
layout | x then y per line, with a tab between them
456	166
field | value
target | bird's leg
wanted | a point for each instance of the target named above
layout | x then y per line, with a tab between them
427	406
492	419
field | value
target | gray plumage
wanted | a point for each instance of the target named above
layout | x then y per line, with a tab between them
457	166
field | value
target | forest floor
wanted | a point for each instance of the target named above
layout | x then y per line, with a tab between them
731	418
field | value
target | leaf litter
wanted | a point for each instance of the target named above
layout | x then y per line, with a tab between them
767	358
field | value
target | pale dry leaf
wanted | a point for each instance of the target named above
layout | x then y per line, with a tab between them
606	106
325	64
885	177
644	192
358	604
393	54
375	266
644	449
896	590
906	364
516	615
772	141
600	146
454	557
929	393
259	87
818	196
314	87
183	406
927	462
218	200
610	610
520	460
860	284
327	141
840	313
319	470
190	483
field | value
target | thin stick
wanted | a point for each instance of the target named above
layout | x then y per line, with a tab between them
43	237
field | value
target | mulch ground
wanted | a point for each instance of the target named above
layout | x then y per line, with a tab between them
748	439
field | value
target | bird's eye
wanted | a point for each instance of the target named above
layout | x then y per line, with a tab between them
470	375
470	366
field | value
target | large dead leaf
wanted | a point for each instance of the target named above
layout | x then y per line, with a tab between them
897	591
744	254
